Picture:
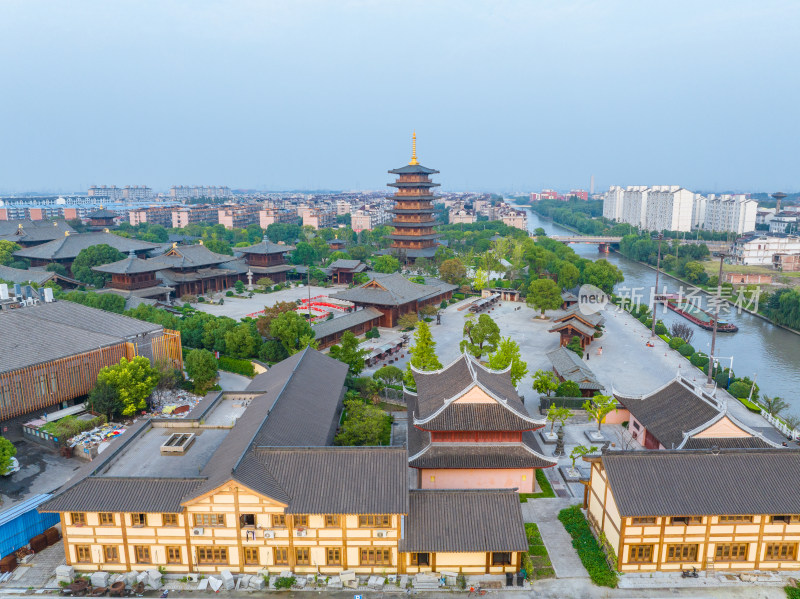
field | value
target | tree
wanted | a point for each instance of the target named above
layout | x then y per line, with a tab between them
7	451
508	354
568	389
423	353
349	353
453	271
774	405
104	399
407	321
304	253
133	380
293	331
56	268
481	336
364	425
7	249
579	452
168	378
428	310
264	321
241	342
556	414
239	286
601	273
265	282
682	330
481	280
272	351
599	407
94	255
544	294
574	345
390	375
544	382
695	273
386	264
201	366
568	275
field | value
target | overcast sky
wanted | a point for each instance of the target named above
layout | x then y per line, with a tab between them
504	95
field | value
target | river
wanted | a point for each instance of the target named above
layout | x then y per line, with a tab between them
758	347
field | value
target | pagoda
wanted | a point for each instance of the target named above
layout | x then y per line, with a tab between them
413	221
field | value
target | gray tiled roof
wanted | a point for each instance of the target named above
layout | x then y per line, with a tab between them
67	247
576	312
22	276
464	521
575	324
130	265
102	213
568	365
392	290
700	483
114	494
526	454
190	257
413	169
348	264
725	443
265	246
33	231
342	323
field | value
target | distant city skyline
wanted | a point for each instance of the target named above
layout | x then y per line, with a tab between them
505	97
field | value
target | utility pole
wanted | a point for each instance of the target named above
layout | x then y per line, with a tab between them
710	380
655	291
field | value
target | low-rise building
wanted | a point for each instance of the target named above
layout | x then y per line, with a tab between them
154	215
184	216
761	249
319	219
329	332
240	216
568	366
267	259
515	218
462	216
574	323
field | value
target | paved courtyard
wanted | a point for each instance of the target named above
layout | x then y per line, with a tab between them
237	308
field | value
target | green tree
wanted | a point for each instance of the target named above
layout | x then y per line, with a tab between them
544	294
481	336
386	264
556	414
481	280
265	282
599	407
7	451
293	331
773	405
568	275
574	345
695	273
364	425
568	389
56	268
239	286
7	249
407	321
601	273
349	353
508	354
544	382
133	380
390	375
453	271
241	341
104	399
304	253
201	366
579	452
272	351
423	353
94	255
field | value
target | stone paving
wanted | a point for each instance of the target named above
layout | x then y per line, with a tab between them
544	512
237	308
40	571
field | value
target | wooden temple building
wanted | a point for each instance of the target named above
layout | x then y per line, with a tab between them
394	296
343	271
28	233
267	259
101	219
470	430
577	324
568	366
413	222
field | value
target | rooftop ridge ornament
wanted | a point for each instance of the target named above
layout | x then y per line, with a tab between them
414	160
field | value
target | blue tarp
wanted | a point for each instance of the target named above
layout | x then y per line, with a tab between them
20	523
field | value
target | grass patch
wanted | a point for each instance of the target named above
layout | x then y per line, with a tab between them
536	562
592	556
237	366
750	405
544	485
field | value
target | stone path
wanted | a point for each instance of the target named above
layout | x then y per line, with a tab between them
39	570
544	512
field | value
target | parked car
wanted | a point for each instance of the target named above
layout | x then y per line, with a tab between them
12	467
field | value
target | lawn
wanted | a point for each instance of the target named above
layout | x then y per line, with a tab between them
589	551
537	563
544	485
712	268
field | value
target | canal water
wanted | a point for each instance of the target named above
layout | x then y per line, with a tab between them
758	347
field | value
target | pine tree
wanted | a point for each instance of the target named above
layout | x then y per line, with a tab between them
423	353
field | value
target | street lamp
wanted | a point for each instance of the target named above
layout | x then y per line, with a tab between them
710	380
660	237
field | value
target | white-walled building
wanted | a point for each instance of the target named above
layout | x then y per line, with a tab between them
634	205
699	211
612	203
764	216
734	213
669	207
760	249
783	222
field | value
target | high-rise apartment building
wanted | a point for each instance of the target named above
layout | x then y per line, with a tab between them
319	219
269	216
656	208
154	215
188	192
240	216
196	213
612	204
106	193
734	213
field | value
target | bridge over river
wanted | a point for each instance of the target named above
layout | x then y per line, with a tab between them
605	241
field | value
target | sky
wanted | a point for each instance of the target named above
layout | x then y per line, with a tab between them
505	96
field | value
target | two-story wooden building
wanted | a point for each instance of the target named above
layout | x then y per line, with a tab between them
468	429
575	323
711	509
267	259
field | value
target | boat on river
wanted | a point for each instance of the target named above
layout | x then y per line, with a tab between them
692	312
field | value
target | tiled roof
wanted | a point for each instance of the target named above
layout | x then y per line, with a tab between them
348	264
33	230
22	276
726	443
700	483
568	365
342	323
672	410
576	312
464	521
575	324
67	247
191	256
265	246
526	454
413	169
478	417
130	265
392	290
113	494
102	213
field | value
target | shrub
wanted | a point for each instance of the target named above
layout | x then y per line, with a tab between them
568	389
443	305
686	350
676	342
285	582
592	556
200	299
739	389
69	426
373	333
699	359
661	328
229	293
237	366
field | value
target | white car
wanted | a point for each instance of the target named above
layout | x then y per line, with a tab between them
12	467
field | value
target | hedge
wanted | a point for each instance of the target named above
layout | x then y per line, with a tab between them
592	556
699	359
686	350
676	342
237	366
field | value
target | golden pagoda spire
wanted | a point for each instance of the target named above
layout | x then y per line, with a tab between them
414	160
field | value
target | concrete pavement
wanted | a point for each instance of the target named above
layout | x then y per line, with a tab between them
544	512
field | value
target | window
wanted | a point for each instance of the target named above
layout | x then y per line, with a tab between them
212	555
640	554
251	555
77	518
383	521
785	552
332	522
106	518
333	556
735	519
643	520
731	552
301	554
247	520
142	554
501	558
278	521
281	556
209	520
376	557
420	559
169	519
139	519
111	554
686	520
83	553
300	520
174	555
785	519
682	553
